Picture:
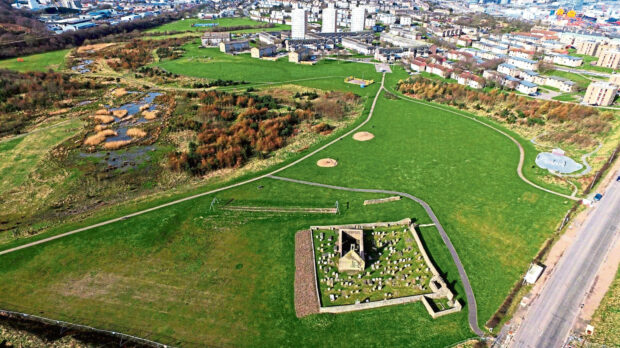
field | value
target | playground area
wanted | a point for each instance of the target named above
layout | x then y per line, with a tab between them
358	81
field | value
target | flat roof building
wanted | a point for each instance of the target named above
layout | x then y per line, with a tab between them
299	23
265	51
358	18
234	46
329	19
609	59
600	93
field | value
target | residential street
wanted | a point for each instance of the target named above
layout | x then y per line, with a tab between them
552	314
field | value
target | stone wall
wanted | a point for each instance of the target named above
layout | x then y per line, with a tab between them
382	200
437	284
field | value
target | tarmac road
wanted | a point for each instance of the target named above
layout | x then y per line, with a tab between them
553	313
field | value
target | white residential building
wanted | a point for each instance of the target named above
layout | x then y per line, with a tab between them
299	23
329	19
358	19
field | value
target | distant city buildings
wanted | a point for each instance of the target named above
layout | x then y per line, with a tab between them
600	93
358	19
299	23
329	19
609	59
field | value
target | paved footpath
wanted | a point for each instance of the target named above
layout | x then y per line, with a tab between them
471	300
553	313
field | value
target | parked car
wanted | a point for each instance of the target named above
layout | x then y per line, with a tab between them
597	197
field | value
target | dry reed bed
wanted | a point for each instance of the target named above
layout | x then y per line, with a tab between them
99	137
136	133
113	145
104	118
150	115
120	113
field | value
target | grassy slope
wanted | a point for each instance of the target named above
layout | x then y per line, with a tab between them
18	157
211	63
467	173
579	79
187	25
473	189
223	278
54	60
606	320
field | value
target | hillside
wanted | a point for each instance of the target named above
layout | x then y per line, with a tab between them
17	24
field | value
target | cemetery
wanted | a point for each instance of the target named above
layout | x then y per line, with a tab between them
371	265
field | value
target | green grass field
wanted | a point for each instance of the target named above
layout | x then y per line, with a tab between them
188	25
187	276
54	60
466	173
565	97
581	80
19	156
211	63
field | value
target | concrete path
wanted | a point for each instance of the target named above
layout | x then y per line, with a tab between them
553	313
471	300
521	150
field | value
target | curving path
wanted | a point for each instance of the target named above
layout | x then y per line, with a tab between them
471	300
521	150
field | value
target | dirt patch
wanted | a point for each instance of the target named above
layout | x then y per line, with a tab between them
363	136
95	47
327	163
306	300
90	286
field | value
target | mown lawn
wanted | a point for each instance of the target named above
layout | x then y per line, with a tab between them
54	60
211	63
565	97
19	156
467	173
581	81
187	276
188	25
